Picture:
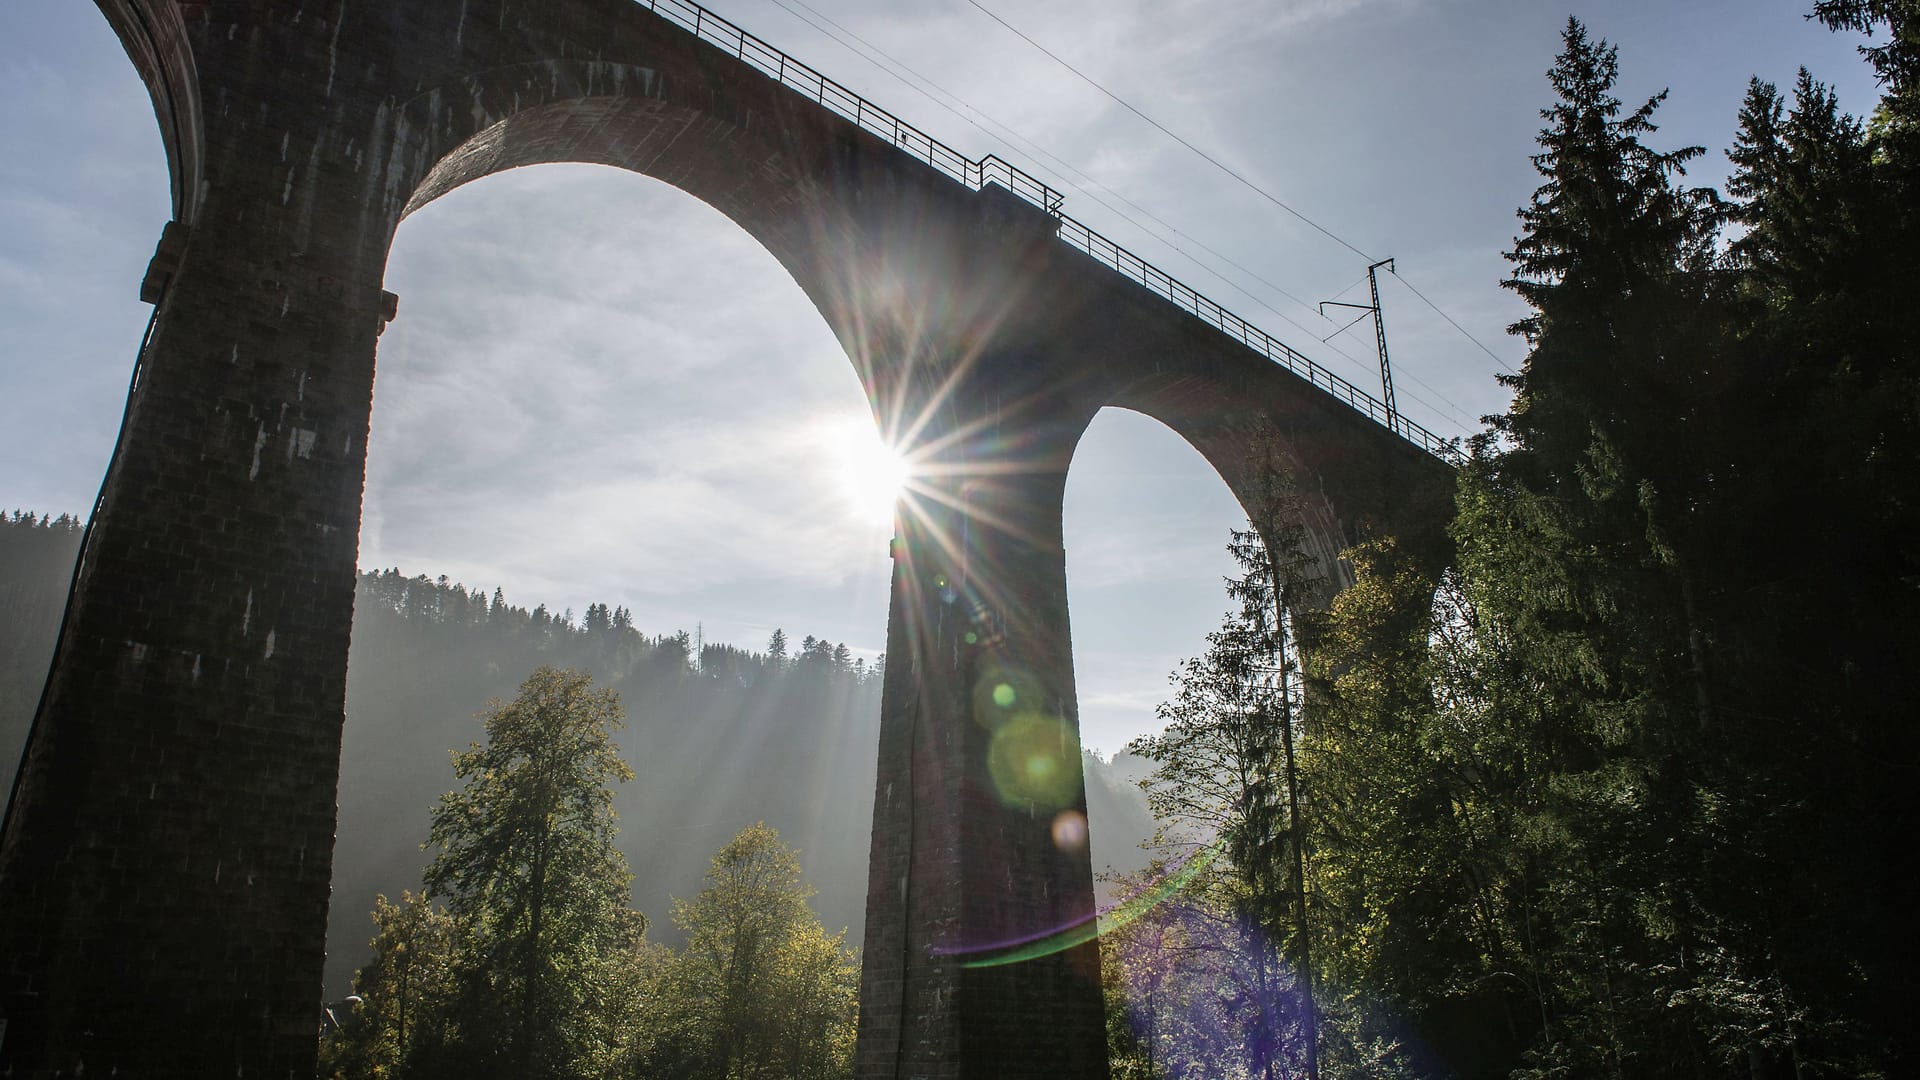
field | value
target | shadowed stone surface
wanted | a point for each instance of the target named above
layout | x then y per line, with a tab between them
165	863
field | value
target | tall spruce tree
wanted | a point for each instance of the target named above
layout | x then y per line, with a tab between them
1585	529
1226	772
1817	567
537	891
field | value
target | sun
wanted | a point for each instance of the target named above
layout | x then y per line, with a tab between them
871	473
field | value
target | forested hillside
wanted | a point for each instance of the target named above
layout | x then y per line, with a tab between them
787	735
36	563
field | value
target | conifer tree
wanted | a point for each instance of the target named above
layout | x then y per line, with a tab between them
527	868
1830	368
1226	768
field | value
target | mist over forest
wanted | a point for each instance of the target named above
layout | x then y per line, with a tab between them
740	736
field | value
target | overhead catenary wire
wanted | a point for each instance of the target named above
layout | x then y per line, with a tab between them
906	75
1463	330
947	101
1169	133
1218	164
888	63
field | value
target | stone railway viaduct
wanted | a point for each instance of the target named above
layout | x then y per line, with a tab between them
165	865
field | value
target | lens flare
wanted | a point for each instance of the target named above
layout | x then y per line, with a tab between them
872	474
1070	830
1003	690
1083	930
1028	758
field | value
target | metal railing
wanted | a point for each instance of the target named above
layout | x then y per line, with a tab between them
864	114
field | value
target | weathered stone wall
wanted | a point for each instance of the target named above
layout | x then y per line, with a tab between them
164	866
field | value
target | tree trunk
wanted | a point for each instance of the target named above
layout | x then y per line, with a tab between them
1303	957
530	966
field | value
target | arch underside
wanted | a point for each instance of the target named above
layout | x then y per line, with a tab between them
754	185
155	38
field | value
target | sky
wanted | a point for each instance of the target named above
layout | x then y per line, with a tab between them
599	389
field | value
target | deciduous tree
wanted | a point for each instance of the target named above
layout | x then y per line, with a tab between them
760	991
399	995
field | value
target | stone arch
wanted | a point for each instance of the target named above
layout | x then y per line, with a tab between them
155	37
1248	418
886	246
593	112
1137	487
782	173
803	542
1248	448
620	120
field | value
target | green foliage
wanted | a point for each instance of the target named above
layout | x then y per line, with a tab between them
535	966
532	881
1612	791
399	997
1896	61
761	990
1611	794
789	745
1226	777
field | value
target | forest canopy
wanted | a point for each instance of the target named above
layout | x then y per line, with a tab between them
1621	783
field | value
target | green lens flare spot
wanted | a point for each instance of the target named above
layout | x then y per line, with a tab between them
1002	690
1033	761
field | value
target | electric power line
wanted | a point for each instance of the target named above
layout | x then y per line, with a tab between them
1008	131
1455	325
1215	162
888	64
1250	185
